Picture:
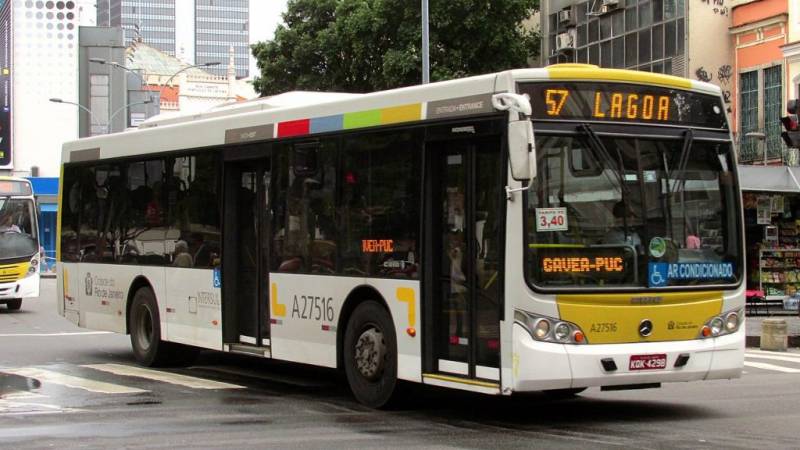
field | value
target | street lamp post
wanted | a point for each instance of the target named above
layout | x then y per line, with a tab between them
122	108
92	118
426	65
208	64
119	66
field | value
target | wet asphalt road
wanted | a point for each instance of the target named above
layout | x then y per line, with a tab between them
50	398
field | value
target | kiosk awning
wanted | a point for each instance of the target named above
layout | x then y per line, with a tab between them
769	178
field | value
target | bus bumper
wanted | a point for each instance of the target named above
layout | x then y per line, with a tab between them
541	365
23	288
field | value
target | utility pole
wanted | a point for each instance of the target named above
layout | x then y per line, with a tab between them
426	65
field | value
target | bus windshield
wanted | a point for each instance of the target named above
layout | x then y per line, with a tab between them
18	236
632	212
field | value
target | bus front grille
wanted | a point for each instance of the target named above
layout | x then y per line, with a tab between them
13	272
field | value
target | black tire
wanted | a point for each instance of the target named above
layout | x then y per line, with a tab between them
145	327
14	304
374	381
560	394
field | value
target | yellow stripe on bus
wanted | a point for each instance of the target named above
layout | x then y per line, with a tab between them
592	72
615	318
58	215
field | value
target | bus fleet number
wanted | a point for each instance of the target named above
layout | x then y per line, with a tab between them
313	308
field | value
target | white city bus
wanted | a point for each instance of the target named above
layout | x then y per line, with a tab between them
424	234
19	242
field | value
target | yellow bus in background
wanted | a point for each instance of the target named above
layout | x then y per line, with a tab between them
19	242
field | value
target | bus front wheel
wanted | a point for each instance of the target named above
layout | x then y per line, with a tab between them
14	304
145	327
370	354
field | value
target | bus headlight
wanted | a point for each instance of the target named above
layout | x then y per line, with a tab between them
541	329
547	329
731	321
725	323
561	331
34	266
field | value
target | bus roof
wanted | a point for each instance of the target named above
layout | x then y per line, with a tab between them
296	114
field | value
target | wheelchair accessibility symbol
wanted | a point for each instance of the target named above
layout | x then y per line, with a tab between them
657	274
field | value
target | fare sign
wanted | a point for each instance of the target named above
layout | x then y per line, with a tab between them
551	219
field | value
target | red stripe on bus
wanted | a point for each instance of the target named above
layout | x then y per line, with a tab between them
294	128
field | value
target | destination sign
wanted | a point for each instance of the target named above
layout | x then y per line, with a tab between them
623	103
596	265
13	187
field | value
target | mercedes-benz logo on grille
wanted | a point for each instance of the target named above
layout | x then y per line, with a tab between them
645	328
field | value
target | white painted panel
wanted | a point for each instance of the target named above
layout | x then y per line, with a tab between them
456	367
69	286
487	373
306	313
194	316
102	290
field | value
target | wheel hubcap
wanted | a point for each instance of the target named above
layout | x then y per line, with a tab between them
144	328
370	353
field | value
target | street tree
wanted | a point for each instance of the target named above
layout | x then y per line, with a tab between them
369	45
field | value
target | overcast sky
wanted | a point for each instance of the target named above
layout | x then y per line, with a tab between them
264	18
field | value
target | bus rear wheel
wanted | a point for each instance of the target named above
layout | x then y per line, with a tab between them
14	304
370	354
145	327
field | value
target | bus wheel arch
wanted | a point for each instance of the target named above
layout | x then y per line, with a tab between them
138	283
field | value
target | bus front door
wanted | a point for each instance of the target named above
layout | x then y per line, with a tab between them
245	266
467	201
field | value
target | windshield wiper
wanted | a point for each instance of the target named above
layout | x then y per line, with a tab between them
600	148
683	161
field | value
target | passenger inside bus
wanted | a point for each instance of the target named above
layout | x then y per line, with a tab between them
7	224
182	256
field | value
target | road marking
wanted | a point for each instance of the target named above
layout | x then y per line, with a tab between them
74	382
79	333
773	357
166	377
19	395
794	356
766	366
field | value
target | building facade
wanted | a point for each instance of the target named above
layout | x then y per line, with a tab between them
759	31
686	38
183	89
220	25
39	62
152	21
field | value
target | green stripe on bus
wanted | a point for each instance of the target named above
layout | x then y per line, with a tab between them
362	119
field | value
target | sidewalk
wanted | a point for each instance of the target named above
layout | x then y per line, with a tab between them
753	329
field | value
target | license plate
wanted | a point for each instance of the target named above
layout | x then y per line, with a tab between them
648	362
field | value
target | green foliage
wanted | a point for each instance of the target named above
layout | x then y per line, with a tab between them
369	45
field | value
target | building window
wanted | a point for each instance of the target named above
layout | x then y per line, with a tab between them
643	35
748	114
773	87
761	94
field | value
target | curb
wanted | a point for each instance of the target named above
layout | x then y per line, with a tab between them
755	341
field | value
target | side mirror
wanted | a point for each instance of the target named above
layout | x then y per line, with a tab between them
522	154
521	150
